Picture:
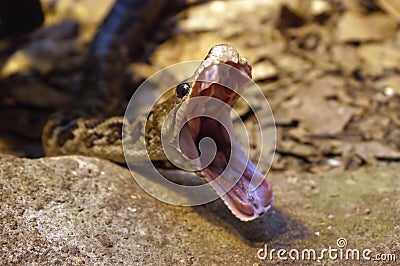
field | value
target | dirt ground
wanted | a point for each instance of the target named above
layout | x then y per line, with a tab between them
329	69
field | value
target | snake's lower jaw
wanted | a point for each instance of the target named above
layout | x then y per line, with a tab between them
245	191
245	203
255	202
249	210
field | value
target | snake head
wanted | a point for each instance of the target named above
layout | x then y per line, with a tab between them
213	90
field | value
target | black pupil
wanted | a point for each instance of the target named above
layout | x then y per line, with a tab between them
182	89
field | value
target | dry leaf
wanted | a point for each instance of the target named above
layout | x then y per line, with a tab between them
354	27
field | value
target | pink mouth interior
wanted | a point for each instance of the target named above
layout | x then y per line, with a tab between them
233	185
245	203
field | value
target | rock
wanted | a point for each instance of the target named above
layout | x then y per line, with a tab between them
77	210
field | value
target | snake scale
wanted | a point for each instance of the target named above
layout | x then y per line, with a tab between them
75	132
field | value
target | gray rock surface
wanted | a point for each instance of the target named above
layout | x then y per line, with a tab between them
84	211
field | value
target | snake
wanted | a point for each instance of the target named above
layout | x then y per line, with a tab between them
104	138
118	139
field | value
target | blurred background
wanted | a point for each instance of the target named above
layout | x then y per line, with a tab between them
329	68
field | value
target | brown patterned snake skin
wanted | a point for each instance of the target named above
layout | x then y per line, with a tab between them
104	138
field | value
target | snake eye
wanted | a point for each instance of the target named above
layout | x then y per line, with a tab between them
182	89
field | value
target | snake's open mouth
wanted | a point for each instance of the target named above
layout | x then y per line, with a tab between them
230	172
